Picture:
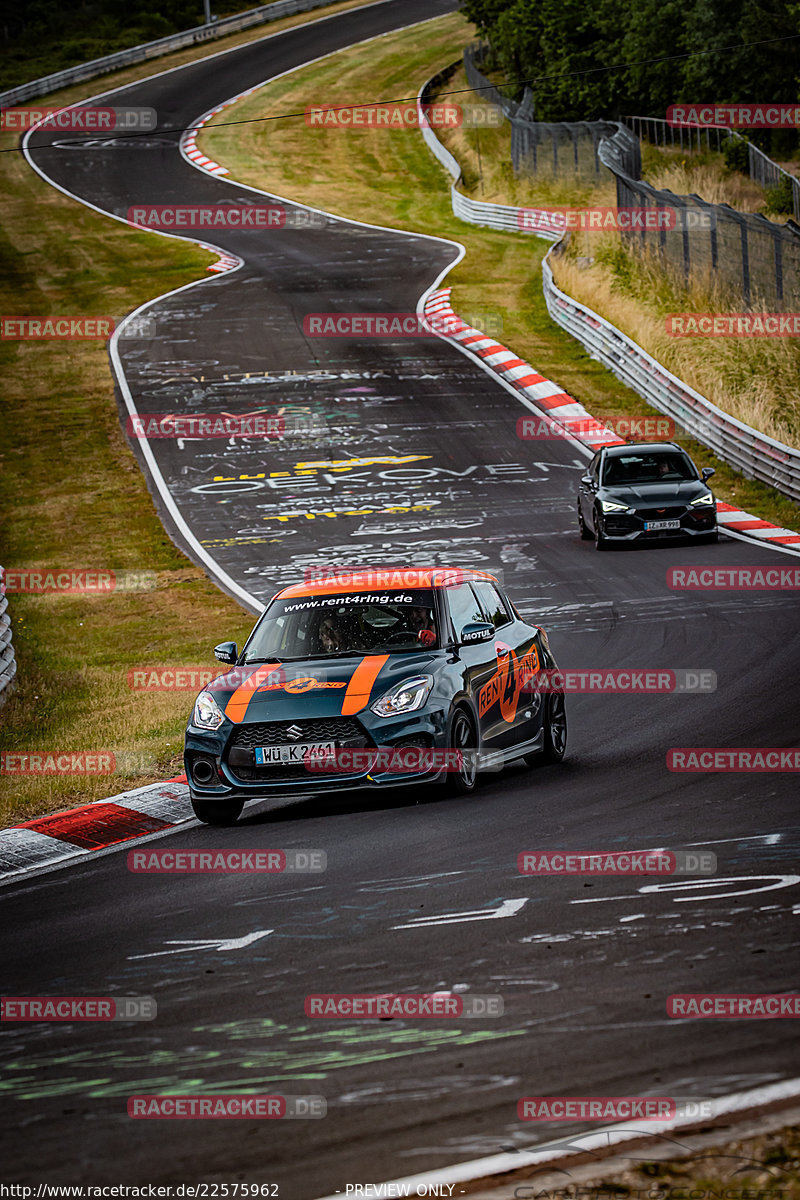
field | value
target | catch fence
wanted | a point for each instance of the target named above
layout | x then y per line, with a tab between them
742	259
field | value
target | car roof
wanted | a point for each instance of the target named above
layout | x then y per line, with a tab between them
637	447
370	579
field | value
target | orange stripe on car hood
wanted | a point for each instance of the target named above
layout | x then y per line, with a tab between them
358	689
236	707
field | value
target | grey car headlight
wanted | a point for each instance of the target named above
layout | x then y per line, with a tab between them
207	714
404	697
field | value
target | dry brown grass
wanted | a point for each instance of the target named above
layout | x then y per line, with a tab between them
752	379
708	178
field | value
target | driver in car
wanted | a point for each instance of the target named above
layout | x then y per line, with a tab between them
330	635
421	621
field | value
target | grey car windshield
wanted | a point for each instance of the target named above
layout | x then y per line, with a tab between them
355	623
624	469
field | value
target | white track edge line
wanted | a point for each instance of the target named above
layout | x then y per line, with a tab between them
495	1164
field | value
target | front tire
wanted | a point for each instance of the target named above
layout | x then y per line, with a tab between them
600	541
217	812
464	779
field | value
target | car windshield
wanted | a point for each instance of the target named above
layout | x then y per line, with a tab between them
358	623
670	467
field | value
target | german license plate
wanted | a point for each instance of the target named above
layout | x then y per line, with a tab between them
654	526
269	756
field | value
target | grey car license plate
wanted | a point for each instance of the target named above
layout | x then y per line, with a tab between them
654	526
268	756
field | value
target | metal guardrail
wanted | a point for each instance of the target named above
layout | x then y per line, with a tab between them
174	41
474	212
754	454
8	662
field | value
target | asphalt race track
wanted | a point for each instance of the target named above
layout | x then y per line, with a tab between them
414	897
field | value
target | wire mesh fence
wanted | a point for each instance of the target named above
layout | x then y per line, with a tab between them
539	147
744	257
740	258
760	167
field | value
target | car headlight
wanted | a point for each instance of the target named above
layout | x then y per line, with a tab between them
707	499
207	714
404	697
612	506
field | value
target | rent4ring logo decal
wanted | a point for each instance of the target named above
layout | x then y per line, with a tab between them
303	684
508	681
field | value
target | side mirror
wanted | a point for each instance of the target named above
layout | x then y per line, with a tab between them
476	631
707	472
226	652
586	480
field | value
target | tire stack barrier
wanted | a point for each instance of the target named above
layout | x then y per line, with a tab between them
8	662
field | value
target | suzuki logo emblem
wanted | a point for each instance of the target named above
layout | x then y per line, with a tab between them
294	732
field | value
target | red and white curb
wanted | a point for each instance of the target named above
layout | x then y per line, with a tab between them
188	142
64	836
189	146
504	362
562	408
189	150
731	517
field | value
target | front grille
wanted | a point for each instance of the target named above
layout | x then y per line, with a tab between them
342	730
655	514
